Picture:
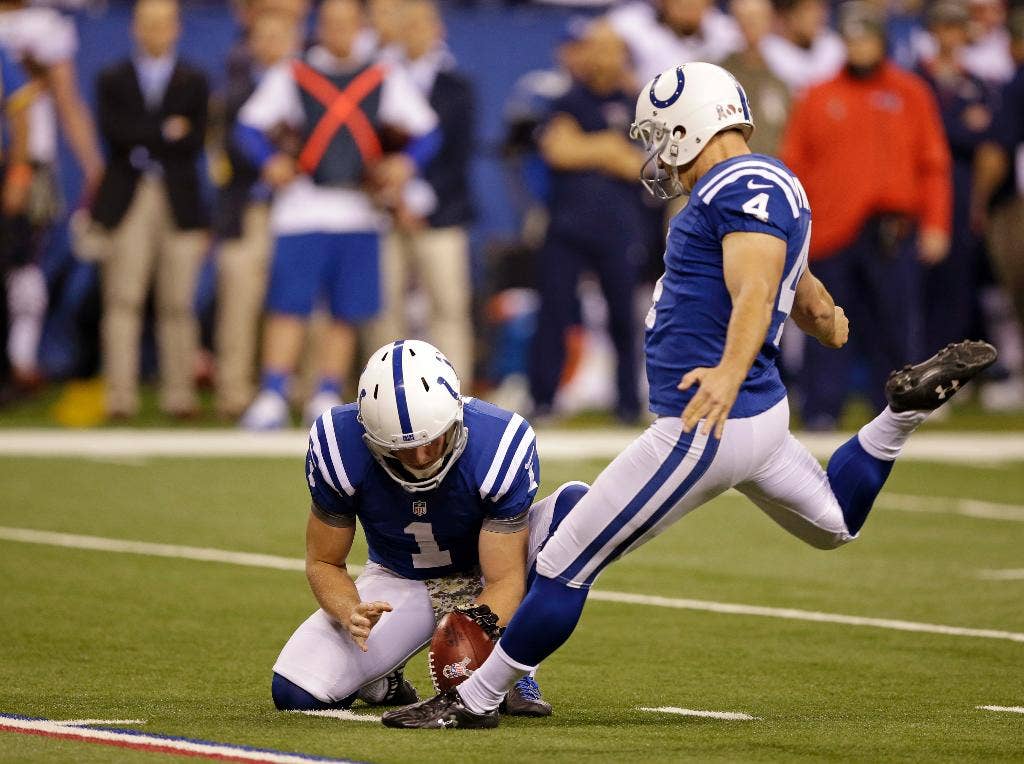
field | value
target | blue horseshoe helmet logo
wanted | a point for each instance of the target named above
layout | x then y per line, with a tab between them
680	84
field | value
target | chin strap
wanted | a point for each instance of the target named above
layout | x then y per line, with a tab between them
384	459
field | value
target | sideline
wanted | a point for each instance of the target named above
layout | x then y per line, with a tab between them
177	746
606	443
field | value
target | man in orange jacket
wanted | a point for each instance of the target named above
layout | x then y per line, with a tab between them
870	148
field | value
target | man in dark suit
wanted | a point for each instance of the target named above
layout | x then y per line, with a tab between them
152	113
429	237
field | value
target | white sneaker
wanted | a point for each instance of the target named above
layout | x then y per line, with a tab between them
268	412
317	405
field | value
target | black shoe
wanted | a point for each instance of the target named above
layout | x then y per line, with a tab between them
399	692
931	383
441	711
525	700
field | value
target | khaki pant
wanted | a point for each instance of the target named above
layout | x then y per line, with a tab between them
146	245
241	286
439	258
1006	247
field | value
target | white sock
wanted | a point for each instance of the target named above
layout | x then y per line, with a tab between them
885	435
485	690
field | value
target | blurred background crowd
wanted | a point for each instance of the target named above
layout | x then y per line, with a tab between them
247	198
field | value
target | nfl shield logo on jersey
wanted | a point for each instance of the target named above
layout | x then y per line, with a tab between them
419	508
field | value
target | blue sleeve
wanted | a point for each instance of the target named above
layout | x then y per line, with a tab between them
522	492
12	74
567	103
424	148
330	505
752	203
519	495
253	143
335	496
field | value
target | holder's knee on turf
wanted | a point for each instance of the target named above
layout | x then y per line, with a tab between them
288	696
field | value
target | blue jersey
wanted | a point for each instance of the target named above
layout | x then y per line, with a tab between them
429	533
687	325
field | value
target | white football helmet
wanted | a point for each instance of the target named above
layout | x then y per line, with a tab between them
677	113
409	394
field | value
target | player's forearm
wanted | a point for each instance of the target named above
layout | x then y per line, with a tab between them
572	157
748	326
17	152
333	588
503	597
624	164
815	315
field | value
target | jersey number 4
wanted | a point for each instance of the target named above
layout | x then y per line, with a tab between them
757	207
430	555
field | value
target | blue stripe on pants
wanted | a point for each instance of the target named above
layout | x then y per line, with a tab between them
675	458
710	449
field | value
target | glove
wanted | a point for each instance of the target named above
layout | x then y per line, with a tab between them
484	618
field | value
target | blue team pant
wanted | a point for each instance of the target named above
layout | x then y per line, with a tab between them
877	281
613	258
951	288
341	269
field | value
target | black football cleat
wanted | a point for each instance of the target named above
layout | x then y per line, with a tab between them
442	711
397	692
931	383
525	700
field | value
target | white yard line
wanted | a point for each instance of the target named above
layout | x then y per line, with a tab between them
155	743
938	505
1003	709
101	722
207	554
100	544
1008	574
986	510
340	713
961	447
803	615
726	715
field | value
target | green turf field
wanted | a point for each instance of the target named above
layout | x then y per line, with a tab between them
188	645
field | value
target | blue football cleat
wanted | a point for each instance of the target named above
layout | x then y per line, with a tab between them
525	700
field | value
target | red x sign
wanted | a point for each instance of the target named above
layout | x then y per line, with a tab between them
342	111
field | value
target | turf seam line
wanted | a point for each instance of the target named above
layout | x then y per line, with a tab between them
206	554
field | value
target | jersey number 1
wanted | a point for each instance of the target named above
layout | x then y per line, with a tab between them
430	554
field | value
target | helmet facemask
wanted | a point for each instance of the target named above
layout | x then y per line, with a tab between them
659	178
427	478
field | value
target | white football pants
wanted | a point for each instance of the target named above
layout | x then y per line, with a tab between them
665	473
321	658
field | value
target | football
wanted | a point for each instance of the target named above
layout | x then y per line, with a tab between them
457	649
